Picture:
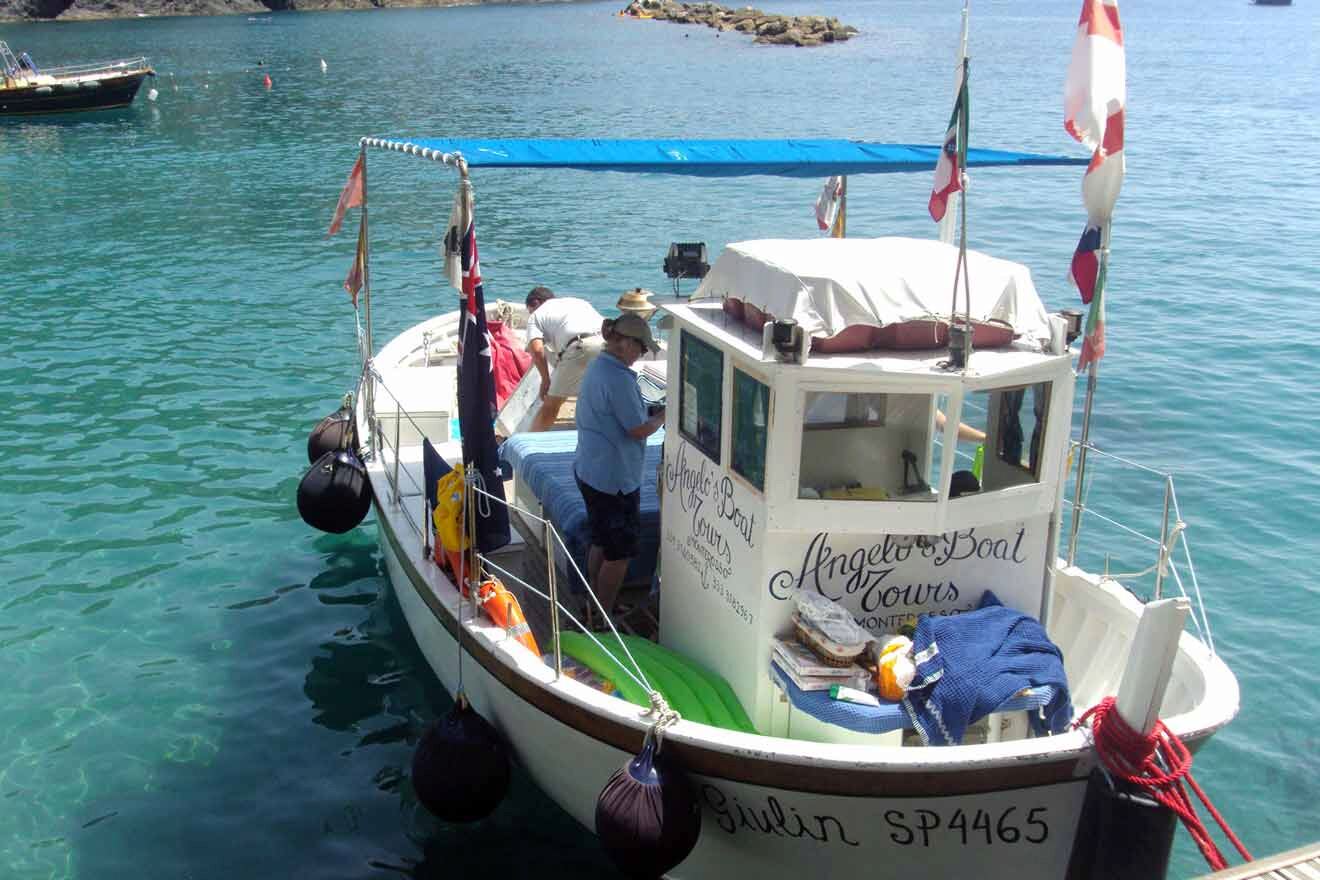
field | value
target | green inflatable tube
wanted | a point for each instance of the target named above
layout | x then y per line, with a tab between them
601	662
694	691
679	693
692	695
712	688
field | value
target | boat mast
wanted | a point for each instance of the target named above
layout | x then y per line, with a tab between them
1079	501
960	336
946	224
366	253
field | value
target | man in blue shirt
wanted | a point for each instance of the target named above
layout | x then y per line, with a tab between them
613	425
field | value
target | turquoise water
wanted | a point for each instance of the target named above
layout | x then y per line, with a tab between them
197	685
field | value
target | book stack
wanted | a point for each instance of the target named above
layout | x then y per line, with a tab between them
809	672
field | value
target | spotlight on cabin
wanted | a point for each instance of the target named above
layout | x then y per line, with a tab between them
686	259
960	344
1074	319
783	337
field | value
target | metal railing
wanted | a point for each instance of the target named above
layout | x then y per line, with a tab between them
1170	548
389	452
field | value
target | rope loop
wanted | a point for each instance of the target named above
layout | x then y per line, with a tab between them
663	716
1158	762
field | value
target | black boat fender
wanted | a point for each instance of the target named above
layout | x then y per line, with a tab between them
335	493
335	431
460	769
648	817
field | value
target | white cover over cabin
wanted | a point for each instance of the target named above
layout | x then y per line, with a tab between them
830	284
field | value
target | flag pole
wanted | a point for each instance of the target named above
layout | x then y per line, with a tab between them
366	250
946	225
367	353
960	338
1079	502
840	229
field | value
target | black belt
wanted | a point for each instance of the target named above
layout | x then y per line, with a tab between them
575	340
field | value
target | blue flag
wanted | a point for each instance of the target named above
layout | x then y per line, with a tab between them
476	397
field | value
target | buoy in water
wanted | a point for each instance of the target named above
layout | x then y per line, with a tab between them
335	431
335	495
323	65
152	94
460	769
647	816
265	80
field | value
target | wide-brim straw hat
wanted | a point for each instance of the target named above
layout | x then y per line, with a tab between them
637	301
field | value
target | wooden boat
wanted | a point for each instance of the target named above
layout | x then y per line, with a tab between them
788	469
27	90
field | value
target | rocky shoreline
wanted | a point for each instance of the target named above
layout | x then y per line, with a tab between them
83	10
767	27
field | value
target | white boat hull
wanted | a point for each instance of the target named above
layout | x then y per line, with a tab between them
777	807
1015	832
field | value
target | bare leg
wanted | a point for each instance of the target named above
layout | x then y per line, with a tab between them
608	580
595	557
546	415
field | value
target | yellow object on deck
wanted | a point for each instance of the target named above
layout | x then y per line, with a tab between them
856	493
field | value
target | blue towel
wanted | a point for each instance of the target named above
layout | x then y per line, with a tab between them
969	664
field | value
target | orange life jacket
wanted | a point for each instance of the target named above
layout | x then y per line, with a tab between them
503	608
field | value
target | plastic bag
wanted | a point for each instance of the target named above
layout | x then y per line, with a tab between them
831	619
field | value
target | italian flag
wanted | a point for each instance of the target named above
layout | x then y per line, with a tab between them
953	156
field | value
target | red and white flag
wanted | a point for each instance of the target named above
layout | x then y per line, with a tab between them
358	271
827	204
350	196
953	157
1094	100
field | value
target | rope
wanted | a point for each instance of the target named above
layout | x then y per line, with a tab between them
664	717
1141	761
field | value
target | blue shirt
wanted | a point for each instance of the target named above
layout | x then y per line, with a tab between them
608	407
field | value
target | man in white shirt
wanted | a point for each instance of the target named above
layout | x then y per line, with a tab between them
569	328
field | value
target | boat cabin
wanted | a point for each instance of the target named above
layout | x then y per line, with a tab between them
887	480
821	437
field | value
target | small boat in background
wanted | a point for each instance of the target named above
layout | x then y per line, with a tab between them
25	89
1271	2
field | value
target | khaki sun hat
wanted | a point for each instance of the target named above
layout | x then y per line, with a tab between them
637	301
630	324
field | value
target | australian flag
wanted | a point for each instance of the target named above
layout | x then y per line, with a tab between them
476	394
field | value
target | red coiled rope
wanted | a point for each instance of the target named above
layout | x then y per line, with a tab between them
1128	755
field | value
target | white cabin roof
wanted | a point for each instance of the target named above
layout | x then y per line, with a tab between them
992	365
828	284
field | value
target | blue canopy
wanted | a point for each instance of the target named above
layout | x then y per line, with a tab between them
704	158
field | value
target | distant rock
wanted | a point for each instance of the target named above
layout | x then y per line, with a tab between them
768	28
72	10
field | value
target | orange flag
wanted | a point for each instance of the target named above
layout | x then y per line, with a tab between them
356	273
351	197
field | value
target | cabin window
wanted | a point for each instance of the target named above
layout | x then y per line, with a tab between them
866	446
701	394
751	418
1012	422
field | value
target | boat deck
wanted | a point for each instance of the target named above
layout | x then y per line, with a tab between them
634	612
1302	863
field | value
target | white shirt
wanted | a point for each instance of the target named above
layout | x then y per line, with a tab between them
557	321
